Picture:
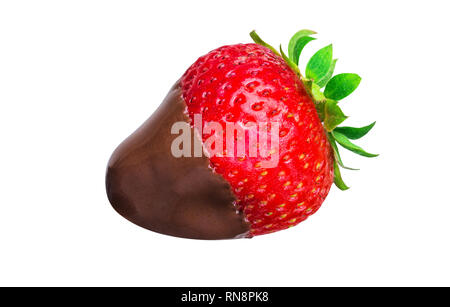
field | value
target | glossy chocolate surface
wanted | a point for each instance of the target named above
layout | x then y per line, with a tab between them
180	197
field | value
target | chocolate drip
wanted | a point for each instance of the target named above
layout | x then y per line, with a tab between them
182	196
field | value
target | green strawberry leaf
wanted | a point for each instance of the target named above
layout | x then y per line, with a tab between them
338	179
333	115
298	47
289	62
259	41
320	63
337	155
299	36
317	93
344	142
323	81
342	85
355	133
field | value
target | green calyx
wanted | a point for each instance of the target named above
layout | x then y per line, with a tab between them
326	91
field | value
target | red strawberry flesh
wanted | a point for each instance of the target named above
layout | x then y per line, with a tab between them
249	83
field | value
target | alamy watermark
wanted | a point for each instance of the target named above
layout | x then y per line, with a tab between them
251	139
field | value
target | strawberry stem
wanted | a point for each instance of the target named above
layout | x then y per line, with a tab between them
319	74
259	41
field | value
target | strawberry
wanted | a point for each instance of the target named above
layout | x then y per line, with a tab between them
246	181
254	83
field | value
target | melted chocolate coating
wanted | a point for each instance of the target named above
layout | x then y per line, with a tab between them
180	197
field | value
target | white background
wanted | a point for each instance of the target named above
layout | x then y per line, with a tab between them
77	77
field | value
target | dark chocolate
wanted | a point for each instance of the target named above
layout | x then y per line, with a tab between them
180	197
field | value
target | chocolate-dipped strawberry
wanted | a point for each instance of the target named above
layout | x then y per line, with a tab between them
243	145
